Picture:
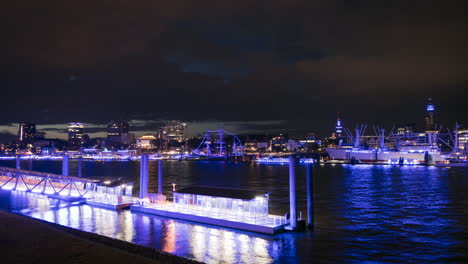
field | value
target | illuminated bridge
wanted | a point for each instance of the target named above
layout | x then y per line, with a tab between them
46	183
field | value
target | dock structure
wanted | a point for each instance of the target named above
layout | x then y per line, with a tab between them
110	195
53	185
233	208
113	195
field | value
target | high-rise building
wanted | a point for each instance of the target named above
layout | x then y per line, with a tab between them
429	119
75	135
463	140
174	131
278	143
117	133
26	132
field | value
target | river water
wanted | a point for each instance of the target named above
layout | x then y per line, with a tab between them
363	213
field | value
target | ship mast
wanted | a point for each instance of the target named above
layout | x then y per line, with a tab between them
382	139
357	138
359	132
221	142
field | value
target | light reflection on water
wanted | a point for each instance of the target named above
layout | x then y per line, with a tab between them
363	213
204	243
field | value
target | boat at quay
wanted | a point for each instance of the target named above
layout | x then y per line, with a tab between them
404	149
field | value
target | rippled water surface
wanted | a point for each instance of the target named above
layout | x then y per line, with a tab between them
371	214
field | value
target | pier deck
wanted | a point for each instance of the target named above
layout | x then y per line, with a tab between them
115	205
269	225
57	186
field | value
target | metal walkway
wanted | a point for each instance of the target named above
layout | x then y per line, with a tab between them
45	183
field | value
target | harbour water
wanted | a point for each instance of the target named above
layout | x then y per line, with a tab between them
363	213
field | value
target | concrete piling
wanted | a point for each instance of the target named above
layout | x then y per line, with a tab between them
18	162
160	177
65	165
80	167
310	192
292	192
144	175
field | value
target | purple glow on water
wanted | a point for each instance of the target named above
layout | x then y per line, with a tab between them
364	213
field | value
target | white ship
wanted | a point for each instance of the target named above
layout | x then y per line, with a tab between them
408	148
385	156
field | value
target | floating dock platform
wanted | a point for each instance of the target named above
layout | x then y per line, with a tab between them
270	225
70	199
107	205
232	208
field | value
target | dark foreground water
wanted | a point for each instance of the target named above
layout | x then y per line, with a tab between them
363	213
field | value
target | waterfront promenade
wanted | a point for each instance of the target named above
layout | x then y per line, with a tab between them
28	240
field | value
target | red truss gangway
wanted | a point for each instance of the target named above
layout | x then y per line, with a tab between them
46	183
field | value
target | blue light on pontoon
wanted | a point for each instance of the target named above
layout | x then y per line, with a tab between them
281	161
272	160
403	162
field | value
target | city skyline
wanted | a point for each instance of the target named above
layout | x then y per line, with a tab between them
198	128
142	127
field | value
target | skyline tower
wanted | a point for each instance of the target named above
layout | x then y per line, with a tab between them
338	132
429	119
338	128
174	130
117	133
75	135
26	132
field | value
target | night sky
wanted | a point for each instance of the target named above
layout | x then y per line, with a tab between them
256	66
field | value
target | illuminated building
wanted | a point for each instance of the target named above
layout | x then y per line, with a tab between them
172	136
42	146
256	143
26	132
291	145
75	135
117	133
174	131
463	140
429	119
278	143
146	142
250	145
309	143
404	129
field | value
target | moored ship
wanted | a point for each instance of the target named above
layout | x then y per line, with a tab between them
414	148
385	156
403	147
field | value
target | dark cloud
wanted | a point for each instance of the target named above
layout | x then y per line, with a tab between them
54	129
146	125
7	137
300	61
